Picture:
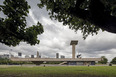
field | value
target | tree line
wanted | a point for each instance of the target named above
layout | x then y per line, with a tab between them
105	60
9	62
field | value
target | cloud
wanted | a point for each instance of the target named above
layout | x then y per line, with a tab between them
56	39
34	20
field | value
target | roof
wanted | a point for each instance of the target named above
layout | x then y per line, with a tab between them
74	42
55	59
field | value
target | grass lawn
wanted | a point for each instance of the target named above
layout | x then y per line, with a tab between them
57	71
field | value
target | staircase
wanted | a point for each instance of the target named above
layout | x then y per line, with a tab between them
63	63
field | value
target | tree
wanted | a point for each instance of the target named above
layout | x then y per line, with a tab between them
13	27
89	16
104	60
113	60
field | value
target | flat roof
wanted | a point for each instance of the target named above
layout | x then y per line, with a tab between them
74	42
55	59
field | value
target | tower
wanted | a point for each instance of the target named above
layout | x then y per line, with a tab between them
37	54
73	43
57	55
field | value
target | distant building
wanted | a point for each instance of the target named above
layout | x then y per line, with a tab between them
57	55
62	56
32	56
19	54
26	56
12	56
4	56
37	54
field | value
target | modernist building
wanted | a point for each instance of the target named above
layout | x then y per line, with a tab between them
68	61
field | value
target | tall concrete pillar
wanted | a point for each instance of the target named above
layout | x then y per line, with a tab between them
73	43
73	51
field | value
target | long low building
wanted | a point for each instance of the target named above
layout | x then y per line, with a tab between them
69	61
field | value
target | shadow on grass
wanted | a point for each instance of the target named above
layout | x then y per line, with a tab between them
80	75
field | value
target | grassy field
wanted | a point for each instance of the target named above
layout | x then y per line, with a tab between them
57	71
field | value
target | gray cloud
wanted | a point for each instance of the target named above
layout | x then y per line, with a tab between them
56	39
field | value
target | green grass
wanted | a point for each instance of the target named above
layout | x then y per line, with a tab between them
58	71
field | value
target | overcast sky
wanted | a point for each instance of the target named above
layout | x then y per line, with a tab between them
56	39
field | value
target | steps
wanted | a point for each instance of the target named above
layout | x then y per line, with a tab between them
63	63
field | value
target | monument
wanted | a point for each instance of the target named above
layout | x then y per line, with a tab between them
68	61
73	43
